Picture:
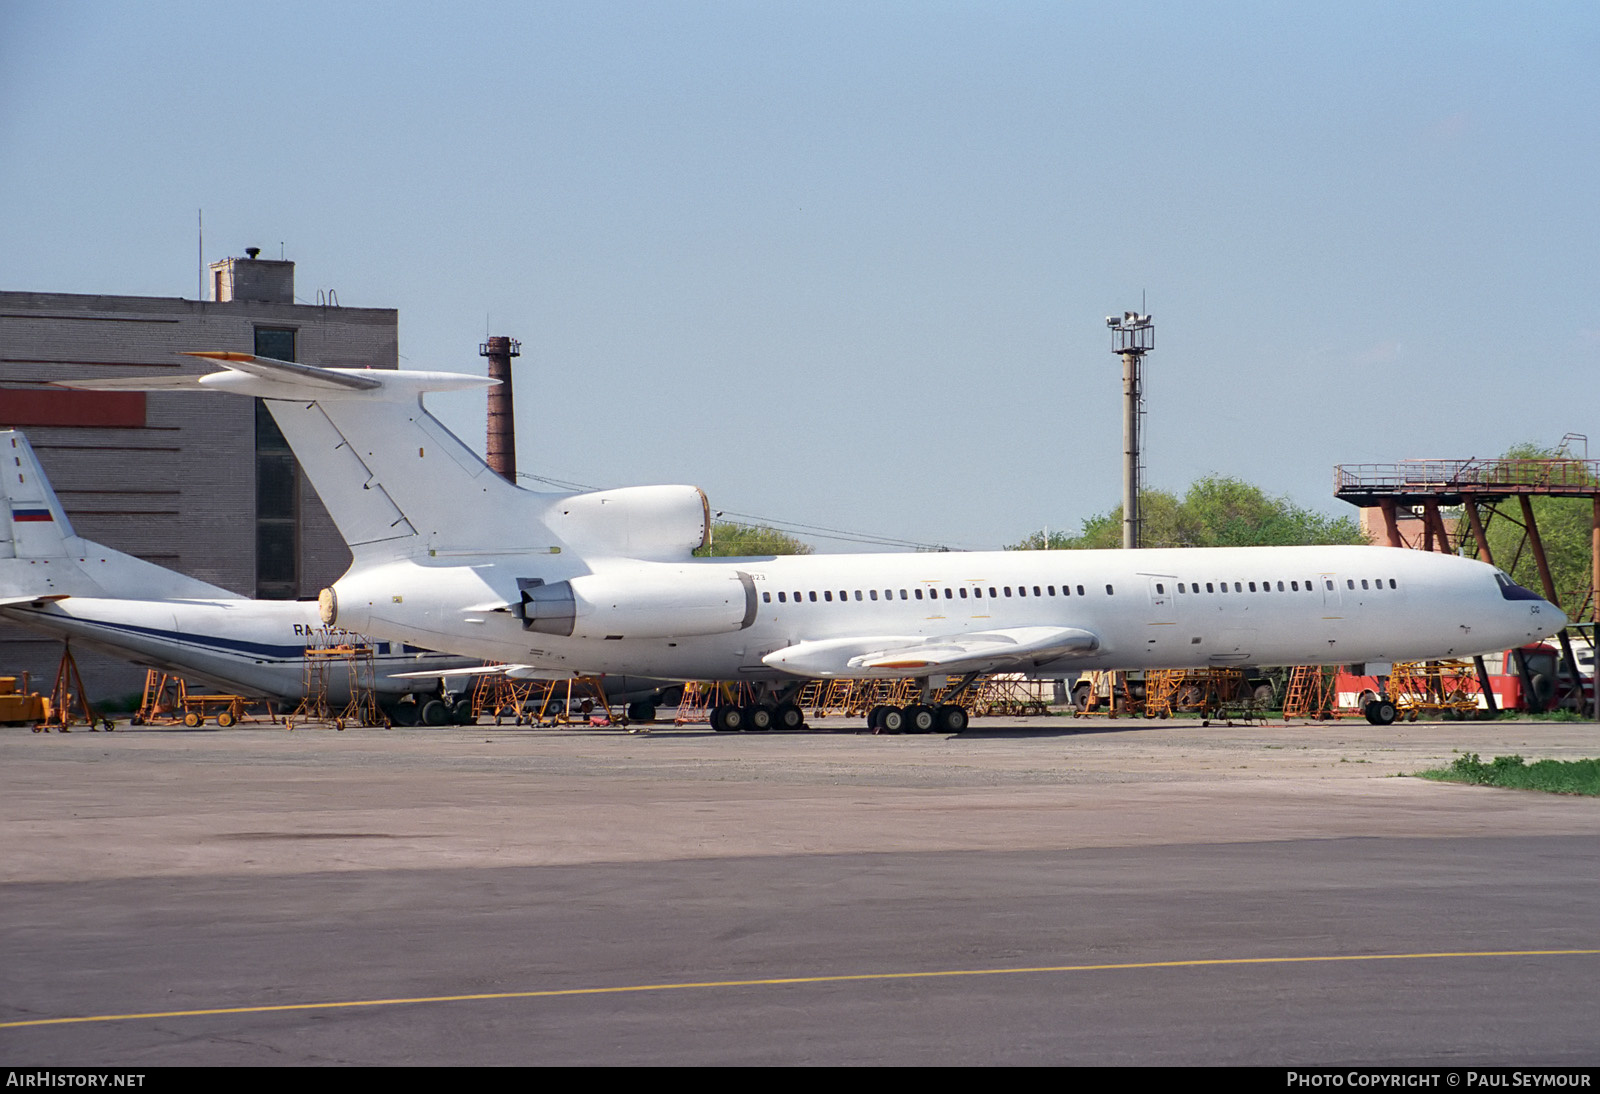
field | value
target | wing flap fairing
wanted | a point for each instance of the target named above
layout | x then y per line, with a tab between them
1008	648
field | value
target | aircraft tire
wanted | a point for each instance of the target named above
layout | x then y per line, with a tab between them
642	711
403	714
727	718
920	719
875	718
892	720
758	718
789	717
1382	712
435	713
952	719
1543	690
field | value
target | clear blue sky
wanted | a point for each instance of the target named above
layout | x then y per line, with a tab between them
848	263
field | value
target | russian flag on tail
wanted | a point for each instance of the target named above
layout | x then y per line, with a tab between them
27	515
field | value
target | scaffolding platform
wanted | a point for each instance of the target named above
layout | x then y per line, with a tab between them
324	664
1210	693
1434	689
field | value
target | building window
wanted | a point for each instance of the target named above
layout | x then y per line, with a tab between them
275	342
277	512
277	488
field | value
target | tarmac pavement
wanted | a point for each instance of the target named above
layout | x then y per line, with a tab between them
1218	894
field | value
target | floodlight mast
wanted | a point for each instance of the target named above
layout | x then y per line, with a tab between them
1132	336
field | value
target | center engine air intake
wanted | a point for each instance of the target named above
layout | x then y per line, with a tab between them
657	523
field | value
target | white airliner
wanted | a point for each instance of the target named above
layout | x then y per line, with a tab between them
56	582
449	555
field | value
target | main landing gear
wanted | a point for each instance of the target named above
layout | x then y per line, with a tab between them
756	718
1381	712
917	719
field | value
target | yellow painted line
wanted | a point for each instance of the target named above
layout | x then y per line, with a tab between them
781	981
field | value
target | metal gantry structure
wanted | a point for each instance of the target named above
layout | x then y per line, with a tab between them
1485	490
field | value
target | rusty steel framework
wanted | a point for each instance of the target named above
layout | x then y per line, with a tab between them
1483	489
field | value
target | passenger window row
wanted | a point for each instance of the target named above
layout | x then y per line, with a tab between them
961	592
1294	586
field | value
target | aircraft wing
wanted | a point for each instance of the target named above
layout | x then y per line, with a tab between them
1004	649
515	672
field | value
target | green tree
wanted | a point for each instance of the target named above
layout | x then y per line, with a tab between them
1216	511
1564	525
746	540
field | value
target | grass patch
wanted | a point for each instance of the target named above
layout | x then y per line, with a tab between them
1513	773
1565	714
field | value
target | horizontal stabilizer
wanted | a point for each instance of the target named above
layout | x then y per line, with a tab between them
267	378
45	598
271	369
136	383
896	656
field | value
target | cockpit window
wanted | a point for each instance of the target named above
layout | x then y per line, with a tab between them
1512	591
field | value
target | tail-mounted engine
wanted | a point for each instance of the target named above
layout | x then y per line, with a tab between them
654	523
668	602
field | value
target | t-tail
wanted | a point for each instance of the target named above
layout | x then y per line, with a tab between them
400	485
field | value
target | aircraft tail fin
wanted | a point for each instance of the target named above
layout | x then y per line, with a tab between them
42	558
32	522
393	478
398	483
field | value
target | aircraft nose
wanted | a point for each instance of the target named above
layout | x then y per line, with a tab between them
1557	616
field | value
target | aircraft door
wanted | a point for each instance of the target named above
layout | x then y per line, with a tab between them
1163	604
1333	623
1332	603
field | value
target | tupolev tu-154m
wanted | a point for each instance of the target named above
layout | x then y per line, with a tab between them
449	555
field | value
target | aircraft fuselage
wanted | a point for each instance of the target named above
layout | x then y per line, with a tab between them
719	618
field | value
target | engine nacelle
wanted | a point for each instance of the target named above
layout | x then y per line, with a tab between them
668	602
654	523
